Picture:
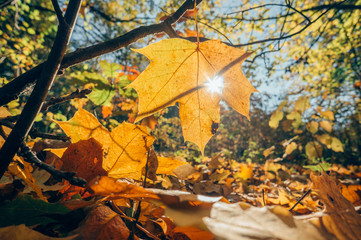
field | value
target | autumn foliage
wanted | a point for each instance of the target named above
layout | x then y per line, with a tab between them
169	139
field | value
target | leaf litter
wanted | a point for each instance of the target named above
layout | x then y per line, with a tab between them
134	194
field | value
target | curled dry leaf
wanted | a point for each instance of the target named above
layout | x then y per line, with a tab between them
152	165
113	188
342	219
241	221
103	223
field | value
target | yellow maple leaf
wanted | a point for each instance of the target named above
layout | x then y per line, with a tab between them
197	78
125	147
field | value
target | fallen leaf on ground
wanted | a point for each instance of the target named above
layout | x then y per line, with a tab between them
113	188
342	220
167	165
103	223
235	221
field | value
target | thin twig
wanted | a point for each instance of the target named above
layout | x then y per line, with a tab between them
299	200
58	12
76	94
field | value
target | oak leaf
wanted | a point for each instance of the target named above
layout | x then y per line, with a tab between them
180	71
125	147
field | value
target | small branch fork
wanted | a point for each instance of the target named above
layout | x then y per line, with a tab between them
30	157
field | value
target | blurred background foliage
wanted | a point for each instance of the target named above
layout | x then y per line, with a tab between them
306	64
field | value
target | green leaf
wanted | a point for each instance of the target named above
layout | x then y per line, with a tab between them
29	211
102	96
319	167
109	69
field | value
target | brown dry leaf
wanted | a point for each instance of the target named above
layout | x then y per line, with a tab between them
152	165
240	222
342	219
21	232
179	71
125	147
192	233
167	165
184	171
103	223
113	188
150	122
85	158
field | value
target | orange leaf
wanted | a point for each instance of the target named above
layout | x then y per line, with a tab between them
150	122
113	188
192	233
107	110
85	158
167	165
181	71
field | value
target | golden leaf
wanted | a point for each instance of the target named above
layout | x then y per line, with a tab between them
312	127
290	148
179	71
125	146
313	150
167	165
326	125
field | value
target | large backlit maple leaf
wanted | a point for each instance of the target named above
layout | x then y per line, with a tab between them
197	78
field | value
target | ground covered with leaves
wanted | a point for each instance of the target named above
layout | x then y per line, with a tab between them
168	198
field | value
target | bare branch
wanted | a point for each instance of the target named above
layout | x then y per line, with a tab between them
33	106
77	94
13	89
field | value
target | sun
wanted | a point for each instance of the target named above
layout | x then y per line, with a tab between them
215	84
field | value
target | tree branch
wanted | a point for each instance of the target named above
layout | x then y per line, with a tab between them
30	157
13	89
37	97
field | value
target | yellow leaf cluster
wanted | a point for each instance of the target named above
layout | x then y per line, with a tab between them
125	147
